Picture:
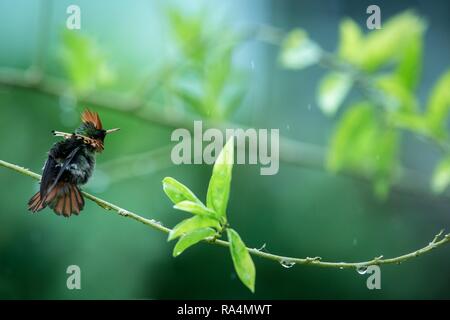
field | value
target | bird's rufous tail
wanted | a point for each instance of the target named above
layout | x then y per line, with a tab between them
64	198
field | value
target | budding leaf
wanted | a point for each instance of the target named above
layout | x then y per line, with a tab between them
243	263
192	238
333	89
178	192
298	51
441	176
351	41
85	63
191	224
438	106
195	208
219	184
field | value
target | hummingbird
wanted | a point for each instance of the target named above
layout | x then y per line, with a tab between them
69	165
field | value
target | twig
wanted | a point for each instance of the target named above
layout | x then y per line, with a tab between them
439	240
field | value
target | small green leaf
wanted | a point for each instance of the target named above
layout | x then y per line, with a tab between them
217	74
189	33
177	192
413	122
333	89
219	184
364	145
192	238
441	176
195	208
298	51
351	41
191	224
398	96
389	43
84	62
439	105
410	65
243	263
352	137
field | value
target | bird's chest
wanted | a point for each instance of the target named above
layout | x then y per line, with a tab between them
81	167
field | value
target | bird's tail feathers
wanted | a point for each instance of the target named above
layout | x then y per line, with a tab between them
64	198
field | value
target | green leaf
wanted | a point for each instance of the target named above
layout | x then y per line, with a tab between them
386	158
298	51
218	71
410	65
364	145
178	192
191	224
389	43
438	105
333	89
441	176
398	96
352	137
195	208
414	122
242	261
219	184
189	32
192	238
84	62
351	41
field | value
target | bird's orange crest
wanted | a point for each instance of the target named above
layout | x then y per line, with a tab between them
92	117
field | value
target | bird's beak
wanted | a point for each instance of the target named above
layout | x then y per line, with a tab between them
112	130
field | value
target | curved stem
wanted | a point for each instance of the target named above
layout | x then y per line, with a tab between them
439	240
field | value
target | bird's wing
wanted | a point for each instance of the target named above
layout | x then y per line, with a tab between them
51	175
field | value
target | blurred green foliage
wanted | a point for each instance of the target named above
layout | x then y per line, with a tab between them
84	62
385	66
209	85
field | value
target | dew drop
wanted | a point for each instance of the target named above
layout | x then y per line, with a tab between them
361	269
262	247
287	263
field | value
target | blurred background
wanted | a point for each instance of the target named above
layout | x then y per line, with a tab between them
363	162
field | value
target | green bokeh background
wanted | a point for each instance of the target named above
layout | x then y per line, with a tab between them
298	212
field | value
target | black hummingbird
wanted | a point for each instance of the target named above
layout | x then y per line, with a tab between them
70	164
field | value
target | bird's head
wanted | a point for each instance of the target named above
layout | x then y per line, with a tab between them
91	127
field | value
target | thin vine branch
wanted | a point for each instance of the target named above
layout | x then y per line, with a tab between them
292	152
439	240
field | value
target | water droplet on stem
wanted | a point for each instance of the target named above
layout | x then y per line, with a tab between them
287	263
361	269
